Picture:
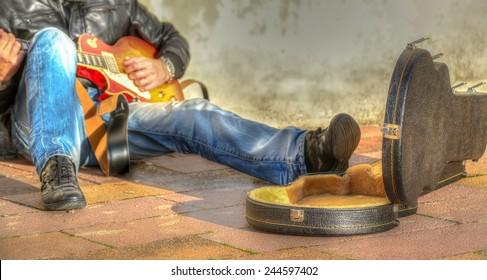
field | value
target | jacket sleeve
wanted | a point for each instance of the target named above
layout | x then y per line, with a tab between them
162	35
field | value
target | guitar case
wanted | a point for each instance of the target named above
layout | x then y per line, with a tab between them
429	132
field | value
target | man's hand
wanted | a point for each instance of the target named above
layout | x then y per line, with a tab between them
10	56
147	73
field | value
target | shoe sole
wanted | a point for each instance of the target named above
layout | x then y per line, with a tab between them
345	136
65	205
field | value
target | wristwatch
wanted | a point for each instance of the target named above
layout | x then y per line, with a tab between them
4	86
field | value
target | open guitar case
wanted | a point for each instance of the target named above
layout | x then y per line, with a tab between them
429	131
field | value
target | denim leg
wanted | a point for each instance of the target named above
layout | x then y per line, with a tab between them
47	115
48	121
196	126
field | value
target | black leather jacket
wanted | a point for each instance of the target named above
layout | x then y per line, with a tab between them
108	20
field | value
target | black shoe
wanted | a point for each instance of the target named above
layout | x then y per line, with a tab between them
60	189
330	149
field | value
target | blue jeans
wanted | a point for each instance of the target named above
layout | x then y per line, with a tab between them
48	121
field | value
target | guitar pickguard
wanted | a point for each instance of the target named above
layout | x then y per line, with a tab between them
127	83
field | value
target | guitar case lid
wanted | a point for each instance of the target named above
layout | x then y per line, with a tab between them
429	132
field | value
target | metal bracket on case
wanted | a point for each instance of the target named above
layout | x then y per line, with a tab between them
297	216
391	131
435	57
412	45
454	88
473	88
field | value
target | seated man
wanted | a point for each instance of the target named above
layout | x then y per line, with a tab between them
47	122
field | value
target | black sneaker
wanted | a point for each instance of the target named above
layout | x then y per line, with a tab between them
60	189
330	149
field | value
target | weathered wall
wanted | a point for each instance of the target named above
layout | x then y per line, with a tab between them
298	62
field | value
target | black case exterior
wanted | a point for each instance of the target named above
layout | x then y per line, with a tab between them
320	221
432	130
429	132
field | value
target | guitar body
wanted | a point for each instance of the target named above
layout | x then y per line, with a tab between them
102	64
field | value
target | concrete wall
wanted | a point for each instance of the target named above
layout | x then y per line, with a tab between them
299	62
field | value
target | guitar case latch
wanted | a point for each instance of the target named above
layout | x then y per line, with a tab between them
391	131
297	216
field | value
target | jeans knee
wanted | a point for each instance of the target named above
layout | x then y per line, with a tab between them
199	104
56	40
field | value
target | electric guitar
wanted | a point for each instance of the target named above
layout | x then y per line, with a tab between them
102	65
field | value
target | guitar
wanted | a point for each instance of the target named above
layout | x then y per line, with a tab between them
101	64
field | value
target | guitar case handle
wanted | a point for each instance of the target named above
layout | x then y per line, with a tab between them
117	133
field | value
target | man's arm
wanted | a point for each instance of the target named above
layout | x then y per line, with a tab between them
147	73
10	61
162	35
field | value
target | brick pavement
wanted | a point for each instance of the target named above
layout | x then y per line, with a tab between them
184	207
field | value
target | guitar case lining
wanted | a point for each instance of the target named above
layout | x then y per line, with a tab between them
429	132
351	203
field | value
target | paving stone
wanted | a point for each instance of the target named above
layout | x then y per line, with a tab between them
32	199
15	173
477	168
260	242
469	256
144	231
119	190
91	175
10	186
217	198
17	164
208	180
232	217
292	254
186	163
450	192
120	211
179	248
459	208
180	197
435	243
478	182
94	194
8	208
45	246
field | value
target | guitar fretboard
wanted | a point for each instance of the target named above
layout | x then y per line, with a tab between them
92	60
105	61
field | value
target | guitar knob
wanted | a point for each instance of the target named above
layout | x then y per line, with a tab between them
160	94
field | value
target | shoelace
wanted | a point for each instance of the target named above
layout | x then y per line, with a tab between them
67	172
315	135
63	171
